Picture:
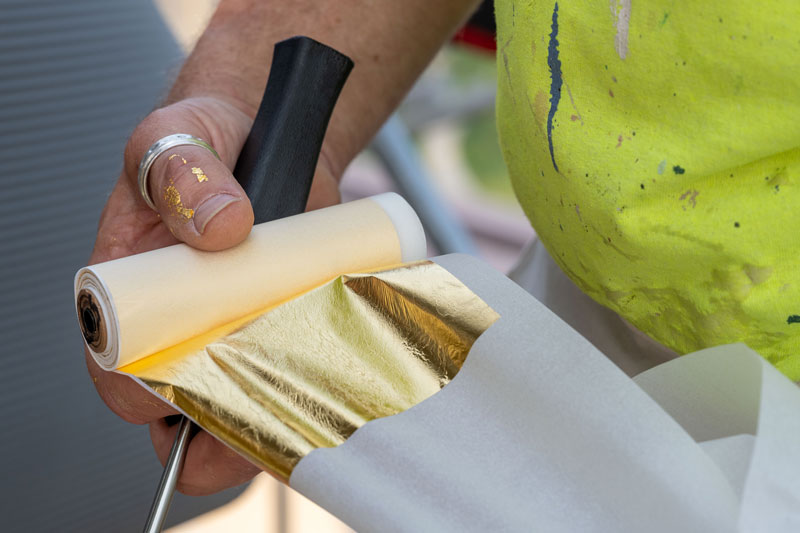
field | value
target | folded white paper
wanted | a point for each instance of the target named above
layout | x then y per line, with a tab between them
541	432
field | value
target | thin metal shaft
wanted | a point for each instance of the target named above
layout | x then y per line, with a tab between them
396	149
172	471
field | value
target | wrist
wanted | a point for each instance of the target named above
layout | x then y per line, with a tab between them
206	74
231	59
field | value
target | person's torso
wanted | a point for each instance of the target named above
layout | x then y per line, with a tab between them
654	147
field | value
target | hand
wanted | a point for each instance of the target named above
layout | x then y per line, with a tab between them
200	203
215	97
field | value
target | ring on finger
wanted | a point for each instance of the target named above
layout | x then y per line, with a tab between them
158	148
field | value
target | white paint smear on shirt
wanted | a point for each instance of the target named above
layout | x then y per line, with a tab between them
621	9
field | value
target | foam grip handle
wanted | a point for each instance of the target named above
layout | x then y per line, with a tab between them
277	164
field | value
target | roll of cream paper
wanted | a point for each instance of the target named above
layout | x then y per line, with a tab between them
132	307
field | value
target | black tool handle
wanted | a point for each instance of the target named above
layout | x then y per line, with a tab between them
276	165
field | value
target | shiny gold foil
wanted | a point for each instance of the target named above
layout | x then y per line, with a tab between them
199	174
309	372
173	199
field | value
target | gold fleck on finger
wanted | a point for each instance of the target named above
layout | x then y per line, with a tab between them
170	158
201	176
173	199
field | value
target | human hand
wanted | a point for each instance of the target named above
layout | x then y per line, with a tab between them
214	98
199	203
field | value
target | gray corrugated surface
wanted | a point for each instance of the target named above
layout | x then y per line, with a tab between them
75	77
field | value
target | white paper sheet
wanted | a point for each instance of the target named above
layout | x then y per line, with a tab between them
746	415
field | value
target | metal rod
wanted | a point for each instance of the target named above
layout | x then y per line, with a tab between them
395	147
169	478
282	516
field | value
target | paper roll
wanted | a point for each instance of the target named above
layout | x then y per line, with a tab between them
132	307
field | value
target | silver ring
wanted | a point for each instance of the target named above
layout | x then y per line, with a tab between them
158	148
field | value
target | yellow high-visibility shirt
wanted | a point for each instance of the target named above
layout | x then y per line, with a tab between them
655	147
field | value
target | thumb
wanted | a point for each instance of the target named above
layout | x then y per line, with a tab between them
199	200
196	195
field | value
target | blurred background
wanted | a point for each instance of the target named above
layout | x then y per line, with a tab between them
75	78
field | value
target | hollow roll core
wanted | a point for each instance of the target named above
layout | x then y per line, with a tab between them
97	318
90	320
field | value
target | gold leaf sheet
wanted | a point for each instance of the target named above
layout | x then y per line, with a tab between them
307	373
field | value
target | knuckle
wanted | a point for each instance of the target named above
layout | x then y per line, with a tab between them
109	394
145	127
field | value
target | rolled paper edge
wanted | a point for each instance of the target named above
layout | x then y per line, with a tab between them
406	224
88	283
